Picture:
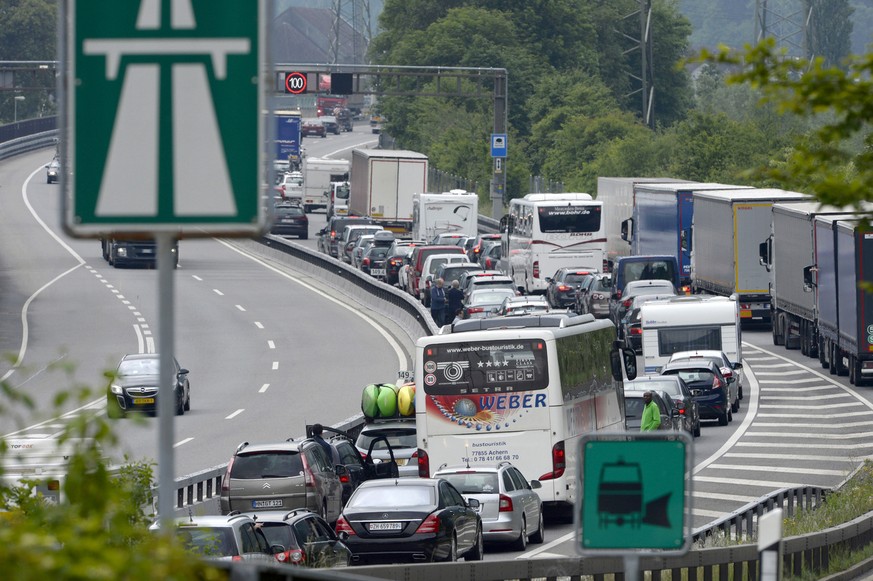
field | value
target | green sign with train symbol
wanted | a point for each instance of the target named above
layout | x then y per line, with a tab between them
635	493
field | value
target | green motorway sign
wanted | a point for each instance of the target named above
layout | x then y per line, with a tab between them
164	116
635	488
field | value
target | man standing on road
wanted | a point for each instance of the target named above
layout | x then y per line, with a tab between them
317	430
651	420
438	302
455	301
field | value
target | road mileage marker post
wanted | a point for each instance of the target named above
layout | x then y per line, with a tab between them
635	496
164	137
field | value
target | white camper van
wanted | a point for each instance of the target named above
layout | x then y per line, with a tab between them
688	323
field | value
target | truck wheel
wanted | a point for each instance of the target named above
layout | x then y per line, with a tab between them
791	342
776	324
852	369
822	353
832	365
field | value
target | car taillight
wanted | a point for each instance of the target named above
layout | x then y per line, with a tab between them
681	407
366	262
295	556
423	464
716	383
605	266
626	304
488	264
333	234
430	525
536	269
475	309
345	479
505	504
343	526
636	331
225	482
563	288
236	558
559	462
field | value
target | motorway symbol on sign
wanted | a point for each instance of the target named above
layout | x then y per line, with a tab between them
498	145
634	490
164	117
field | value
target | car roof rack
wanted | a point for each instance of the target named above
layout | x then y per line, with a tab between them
521	321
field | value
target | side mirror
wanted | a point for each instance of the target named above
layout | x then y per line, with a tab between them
276	549
536	484
342	470
630	363
737	365
808	282
473	503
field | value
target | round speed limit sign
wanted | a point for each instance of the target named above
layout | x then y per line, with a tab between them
295	83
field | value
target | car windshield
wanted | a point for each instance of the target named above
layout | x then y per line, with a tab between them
473	482
392	496
491	297
602	284
273	464
378	252
208	541
671	387
278	533
574	278
139	367
693	376
397	437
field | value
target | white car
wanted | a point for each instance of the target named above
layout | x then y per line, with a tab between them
732	370
428	271
400	435
291	186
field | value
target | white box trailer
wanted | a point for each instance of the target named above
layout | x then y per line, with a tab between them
382	184
456	211
318	173
689	323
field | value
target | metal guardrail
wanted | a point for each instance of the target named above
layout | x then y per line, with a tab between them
804	553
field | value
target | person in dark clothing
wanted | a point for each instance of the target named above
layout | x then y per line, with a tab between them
454	302
438	302
317	430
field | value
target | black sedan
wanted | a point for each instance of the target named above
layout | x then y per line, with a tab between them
290	220
306	537
561	292
136	384
373	261
410	520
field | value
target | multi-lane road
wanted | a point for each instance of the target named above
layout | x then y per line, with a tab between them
270	350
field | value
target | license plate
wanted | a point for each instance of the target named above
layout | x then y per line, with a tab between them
266	503
377	271
401	461
385	526
143	400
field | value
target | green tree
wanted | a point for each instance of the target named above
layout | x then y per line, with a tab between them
28	30
834	161
830	30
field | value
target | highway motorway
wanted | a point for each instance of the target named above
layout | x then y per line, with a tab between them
270	350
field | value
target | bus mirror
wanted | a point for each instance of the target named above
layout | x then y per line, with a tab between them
630	363
615	362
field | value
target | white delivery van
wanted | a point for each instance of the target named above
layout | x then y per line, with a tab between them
689	323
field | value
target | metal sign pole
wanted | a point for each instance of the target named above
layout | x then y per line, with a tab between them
770	545
166	401
632	568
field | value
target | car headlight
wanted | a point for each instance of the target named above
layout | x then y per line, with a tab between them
116	389
121	251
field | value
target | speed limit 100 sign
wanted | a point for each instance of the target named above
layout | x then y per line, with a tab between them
295	83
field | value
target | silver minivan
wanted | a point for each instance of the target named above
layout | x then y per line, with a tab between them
283	476
350	236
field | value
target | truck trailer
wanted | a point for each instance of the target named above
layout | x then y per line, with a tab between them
729	226
788	251
617	195
843	268
456	211
318	174
287	155
661	221
382	186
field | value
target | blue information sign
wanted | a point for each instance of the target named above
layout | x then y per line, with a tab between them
498	145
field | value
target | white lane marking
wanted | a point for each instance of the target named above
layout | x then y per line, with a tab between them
747	482
218	292
235	414
819	416
140	341
829	406
812	425
195	277
264	388
346	148
779	469
402	359
812	436
271	344
798	389
805	446
780	373
240	307
803	398
801	457
773	366
181	442
769	381
275	365
719	496
259	325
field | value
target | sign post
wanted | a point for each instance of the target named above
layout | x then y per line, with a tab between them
636	495
164	135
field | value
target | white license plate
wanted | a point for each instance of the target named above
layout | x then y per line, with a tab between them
377	271
266	503
385	526
401	461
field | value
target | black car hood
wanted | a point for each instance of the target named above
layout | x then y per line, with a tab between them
137	380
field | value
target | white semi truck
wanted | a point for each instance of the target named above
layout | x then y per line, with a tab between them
318	173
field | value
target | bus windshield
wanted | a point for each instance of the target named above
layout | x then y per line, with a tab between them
569	219
485	367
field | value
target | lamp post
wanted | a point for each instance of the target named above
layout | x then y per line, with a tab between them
17	99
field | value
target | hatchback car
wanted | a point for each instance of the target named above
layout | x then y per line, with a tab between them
349	237
708	385
677	389
398	258
592	296
290	220
509	506
282	476
290	186
476	250
225	538
447	238
136	384
373	261
376	437
490	255
485	302
331	125
360	246
633	410
453	270
621	302
732	371
312	126
329	236
562	286
307	538
486	280
522	305
410	520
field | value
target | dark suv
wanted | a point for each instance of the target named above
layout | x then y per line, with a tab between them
329	236
283	476
707	384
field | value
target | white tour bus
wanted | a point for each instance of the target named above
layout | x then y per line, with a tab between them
486	394
687	324
549	231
